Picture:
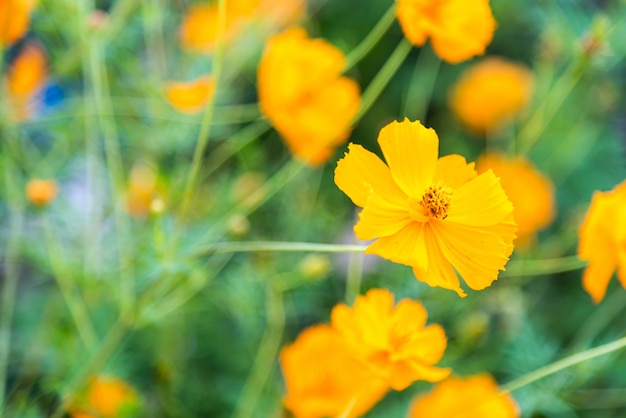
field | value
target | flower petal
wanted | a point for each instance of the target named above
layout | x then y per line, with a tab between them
596	278
360	171
406	246
480	202
381	218
454	171
411	152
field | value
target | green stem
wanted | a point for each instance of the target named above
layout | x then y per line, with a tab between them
564	364
601	317
372	38
422	84
541	267
74	302
355	276
265	356
276	246
380	80
205	127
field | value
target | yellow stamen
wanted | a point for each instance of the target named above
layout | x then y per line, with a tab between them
436	200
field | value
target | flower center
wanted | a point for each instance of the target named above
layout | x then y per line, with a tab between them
436	200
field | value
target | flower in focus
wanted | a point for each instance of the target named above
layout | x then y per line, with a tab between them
458	29
40	192
25	79
323	380
302	93
531	193
107	397
392	341
191	96
490	93
436	215
472	397
14	19
602	236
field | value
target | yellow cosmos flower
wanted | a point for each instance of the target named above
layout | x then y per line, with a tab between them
40	192
472	397
302	93
491	93
436	215
392	341
25	79
458	29
107	397
14	19
601	241
323	380
531	193
190	96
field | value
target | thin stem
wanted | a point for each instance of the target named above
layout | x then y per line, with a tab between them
355	276
542	267
564	364
266	354
372	38
380	80
277	246
205	127
422	84
600	318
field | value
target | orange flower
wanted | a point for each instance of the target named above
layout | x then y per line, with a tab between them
323	380
428	213
41	192
282	13
393	342
14	19
531	193
491	93
142	190
302	93
458	29
601	238
191	96
472	397
198	31
107	397
25	78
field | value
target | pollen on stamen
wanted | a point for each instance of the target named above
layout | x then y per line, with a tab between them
436	200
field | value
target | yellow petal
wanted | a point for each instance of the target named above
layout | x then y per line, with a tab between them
596	278
190	97
480	202
381	218
454	171
407	246
411	152
361	172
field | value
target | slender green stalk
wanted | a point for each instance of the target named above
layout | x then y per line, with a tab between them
422	84
601	317
564	364
70	293
540	267
372	38
380	80
205	127
276	246
355	276
265	356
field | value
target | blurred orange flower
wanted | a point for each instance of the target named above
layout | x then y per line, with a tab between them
40	192
491	93
14	19
392	341
190	96
323	380
472	397
601	241
25	79
302	93
107	397
458	29
142	190
282	13
436	215
531	193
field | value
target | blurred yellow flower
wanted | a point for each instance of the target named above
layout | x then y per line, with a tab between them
107	397
282	13
392	341
302	93
25	79
142	190
531	193
436	215
490	94
14	19
472	397
323	380
40	192
190	96
601	241
458	29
